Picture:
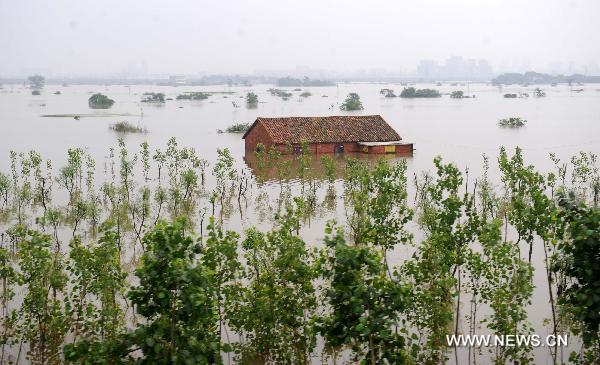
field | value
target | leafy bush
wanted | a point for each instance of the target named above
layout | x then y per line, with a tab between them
539	93
281	93
579	260
510	96
411	92
36	81
388	93
459	94
305	94
36	92
193	96
100	101
514	122
153	98
237	128
126	127
352	102
251	98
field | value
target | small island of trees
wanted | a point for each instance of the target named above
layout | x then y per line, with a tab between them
288	81
539	93
241	127
513	122
388	93
281	93
411	92
100	101
352	102
459	94
251	99
193	96
36	81
153	98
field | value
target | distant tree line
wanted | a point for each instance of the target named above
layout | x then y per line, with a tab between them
288	81
542	78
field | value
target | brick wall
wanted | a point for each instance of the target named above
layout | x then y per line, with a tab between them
257	135
405	149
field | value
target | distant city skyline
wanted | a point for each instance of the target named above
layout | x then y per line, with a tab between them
65	37
452	68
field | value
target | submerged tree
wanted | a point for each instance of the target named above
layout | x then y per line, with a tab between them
176	296
251	99
100	101
512	122
36	81
459	94
352	102
578	258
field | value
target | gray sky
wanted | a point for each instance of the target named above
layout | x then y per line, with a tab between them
106	37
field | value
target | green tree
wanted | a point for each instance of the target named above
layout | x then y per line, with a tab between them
457	94
352	102
36	81
100	101
363	303
578	258
251	99
273	311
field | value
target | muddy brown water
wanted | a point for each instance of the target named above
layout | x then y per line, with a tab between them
564	122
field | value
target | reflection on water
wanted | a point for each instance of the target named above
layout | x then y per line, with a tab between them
269	171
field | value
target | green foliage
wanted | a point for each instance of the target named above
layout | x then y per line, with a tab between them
100	101
578	257
411	92
329	167
364	303
539	93
459	94
352	102
36	81
126	127
97	282
513	122
175	295
193	96
251	98
153	98
274	310
271	296
238	128
42	321
288	81
388	93
281	93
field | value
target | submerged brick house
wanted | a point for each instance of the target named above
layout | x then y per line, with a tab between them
334	134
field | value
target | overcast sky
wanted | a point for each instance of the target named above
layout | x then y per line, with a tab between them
112	36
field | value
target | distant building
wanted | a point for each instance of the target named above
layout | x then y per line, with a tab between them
176	80
333	134
427	69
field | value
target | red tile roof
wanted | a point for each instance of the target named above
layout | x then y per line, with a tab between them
332	129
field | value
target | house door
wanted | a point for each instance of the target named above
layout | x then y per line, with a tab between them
339	148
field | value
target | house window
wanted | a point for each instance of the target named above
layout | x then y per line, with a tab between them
389	149
339	148
297	149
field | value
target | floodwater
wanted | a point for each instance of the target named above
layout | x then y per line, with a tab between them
460	130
